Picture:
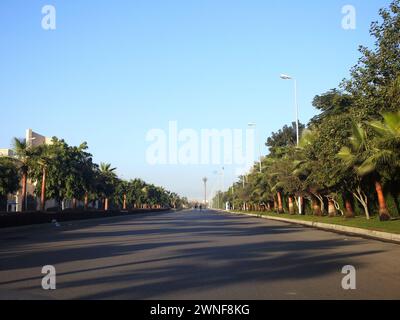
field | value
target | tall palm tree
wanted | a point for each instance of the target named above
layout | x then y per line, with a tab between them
109	176
385	153
375	158
43	157
23	155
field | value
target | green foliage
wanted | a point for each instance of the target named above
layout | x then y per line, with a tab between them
72	174
352	147
284	138
9	181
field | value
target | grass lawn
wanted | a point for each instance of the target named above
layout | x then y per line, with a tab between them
358	222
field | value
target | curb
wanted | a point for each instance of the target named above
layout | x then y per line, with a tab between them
370	234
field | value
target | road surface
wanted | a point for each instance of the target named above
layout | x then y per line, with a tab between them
193	255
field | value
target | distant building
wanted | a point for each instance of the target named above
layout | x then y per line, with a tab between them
6	153
34	139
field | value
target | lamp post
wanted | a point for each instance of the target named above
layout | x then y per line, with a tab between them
296	105
223	179
205	190
254	125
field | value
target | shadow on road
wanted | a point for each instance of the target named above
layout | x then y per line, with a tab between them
168	254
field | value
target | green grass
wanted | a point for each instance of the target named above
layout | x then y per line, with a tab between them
358	222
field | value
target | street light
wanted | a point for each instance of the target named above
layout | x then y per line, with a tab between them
296	105
205	190
254	125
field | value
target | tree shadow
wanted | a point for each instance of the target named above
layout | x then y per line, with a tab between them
169	255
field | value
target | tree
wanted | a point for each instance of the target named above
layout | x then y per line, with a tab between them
284	182
367	162
9	180
374	80
120	195
80	173
331	104
349	150
319	147
108	180
23	157
286	137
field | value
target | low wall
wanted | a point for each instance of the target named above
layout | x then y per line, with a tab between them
31	218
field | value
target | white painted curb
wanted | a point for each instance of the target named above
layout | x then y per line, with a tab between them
376	235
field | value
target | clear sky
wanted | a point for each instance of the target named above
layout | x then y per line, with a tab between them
113	70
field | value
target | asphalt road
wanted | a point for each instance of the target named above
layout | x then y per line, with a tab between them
193	255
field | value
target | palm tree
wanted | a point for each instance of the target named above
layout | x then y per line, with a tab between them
23	156
376	158
43	157
385	155
108	174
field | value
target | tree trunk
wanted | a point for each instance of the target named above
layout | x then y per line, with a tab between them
316	208
86	201
280	204
24	181
74	203
363	199
331	208
302	209
383	210
124	205
321	201
106	204
43	196
349	208
291	205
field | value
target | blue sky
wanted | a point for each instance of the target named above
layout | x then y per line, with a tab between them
113	70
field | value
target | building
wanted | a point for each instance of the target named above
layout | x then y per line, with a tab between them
34	139
6	153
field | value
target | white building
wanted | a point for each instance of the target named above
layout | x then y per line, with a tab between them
34	139
6	153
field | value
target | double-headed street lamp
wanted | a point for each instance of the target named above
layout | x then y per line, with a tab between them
296	105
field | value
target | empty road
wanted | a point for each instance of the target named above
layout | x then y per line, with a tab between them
193	255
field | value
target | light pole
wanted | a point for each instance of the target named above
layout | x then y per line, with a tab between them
296	105
254	125
223	179
205	190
